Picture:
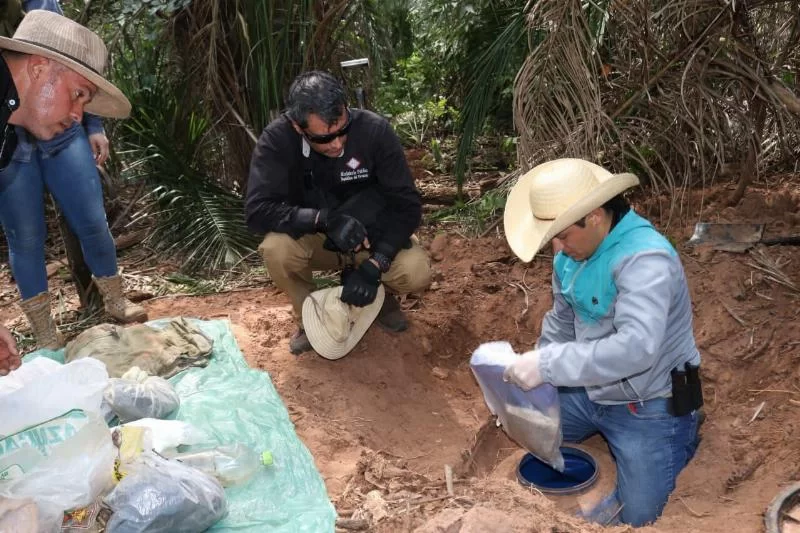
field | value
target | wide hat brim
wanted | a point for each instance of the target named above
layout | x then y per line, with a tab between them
108	101
526	234
319	336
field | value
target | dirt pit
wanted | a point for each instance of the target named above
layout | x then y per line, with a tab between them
383	422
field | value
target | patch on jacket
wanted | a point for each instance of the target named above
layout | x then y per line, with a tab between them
356	172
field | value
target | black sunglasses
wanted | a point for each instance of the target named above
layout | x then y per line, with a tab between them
329	137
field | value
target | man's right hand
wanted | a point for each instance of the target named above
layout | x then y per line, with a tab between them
346	232
9	355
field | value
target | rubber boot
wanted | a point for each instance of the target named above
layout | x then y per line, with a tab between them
299	343
115	302
37	309
391	316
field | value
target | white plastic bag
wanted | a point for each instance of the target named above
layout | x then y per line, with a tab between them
132	400
18	516
47	389
532	418
164	436
56	447
163	496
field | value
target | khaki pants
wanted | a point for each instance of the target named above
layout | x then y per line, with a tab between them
291	263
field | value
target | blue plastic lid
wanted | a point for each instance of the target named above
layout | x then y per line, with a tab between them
580	472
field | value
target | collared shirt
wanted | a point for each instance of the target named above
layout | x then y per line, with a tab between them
9	102
621	320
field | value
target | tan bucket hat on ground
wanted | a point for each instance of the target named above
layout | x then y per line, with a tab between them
554	195
48	34
334	327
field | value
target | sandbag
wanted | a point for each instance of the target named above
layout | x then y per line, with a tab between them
163	496
131	400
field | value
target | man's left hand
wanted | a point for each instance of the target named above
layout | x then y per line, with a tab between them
99	144
361	285
524	372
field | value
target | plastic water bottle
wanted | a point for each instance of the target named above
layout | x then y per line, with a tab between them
231	464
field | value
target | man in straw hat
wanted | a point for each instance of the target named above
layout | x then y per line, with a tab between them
331	189
50	72
618	342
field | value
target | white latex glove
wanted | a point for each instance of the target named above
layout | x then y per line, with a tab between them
524	372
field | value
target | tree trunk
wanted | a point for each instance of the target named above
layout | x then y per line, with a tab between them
755	58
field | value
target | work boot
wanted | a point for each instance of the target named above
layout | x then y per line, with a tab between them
391	316
299	343
115	302
37	309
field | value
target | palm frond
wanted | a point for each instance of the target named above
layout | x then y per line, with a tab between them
174	148
671	90
485	81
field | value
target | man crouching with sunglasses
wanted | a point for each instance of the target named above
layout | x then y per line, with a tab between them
331	189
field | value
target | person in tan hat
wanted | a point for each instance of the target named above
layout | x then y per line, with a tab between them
50	72
66	167
331	189
618	342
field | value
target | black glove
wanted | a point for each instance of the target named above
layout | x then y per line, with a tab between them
344	231
304	221
361	285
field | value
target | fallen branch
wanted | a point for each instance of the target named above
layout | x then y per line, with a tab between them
491	226
734	315
127	240
763	346
692	511
351	524
525	292
758	412
772	268
448	476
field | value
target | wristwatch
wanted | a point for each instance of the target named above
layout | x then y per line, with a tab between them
384	263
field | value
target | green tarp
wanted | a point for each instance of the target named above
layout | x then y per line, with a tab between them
233	403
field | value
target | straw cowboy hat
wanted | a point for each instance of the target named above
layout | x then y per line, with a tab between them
334	327
554	195
48	34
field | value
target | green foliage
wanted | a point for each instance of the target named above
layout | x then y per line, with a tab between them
404	87
196	286
276	37
173	147
431	117
489	82
465	53
129	8
474	215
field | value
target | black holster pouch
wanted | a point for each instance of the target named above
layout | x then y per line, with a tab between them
687	391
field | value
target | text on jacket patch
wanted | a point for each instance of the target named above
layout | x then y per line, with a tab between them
354	175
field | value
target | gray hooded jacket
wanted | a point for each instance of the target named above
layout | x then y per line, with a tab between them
621	320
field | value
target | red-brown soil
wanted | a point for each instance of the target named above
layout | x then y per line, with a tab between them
391	414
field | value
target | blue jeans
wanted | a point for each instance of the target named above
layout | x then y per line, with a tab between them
649	445
65	166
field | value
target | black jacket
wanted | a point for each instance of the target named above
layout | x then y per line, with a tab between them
9	101
370	181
